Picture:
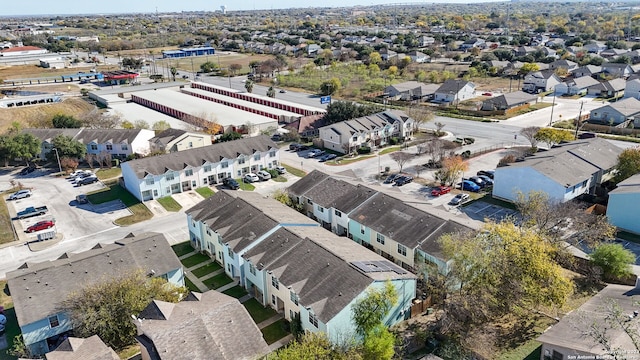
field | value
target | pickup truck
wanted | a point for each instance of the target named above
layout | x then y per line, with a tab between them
32	211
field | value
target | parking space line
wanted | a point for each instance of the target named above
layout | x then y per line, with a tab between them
91	235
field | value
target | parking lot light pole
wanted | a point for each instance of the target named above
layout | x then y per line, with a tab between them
58	157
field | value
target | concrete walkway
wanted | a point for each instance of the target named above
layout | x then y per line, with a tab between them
280	343
187	255
270	320
245	298
228	286
201	286
208	276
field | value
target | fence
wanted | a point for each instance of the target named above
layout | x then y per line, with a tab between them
420	306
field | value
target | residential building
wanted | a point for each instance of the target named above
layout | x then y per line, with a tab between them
576	86
410	90
288	262
373	130
172	140
508	101
624	204
73	348
117	143
564	172
608	89
39	289
617	113
567	65
158	176
418	57
587	70
210	325
454	91
617	70
22	50
472	43
632	87
568	339
540	81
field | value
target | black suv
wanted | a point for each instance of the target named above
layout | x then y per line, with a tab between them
231	183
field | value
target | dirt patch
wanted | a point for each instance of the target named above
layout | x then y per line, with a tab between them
71	106
33	71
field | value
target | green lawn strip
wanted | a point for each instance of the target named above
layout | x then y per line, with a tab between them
190	285
258	312
206	270
182	248
217	281
351	160
279	178
169	204
6	230
194	260
103	174
245	186
205	192
294	171
236	292
140	213
275	331
389	150
129	351
527	351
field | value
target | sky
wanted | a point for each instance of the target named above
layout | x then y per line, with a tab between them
56	7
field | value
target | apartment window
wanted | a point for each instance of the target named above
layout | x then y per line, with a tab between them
204	181
355	138
584	183
362	229
94	147
155	193
207	168
230	252
272	153
188	172
402	250
380	238
309	201
338	213
224	164
252	269
53	321
190	144
220	241
256	157
109	147
208	232
321	209
313	320
275	283
220	255
194	183
124	147
240	160
169	177
149	181
294	297
273	300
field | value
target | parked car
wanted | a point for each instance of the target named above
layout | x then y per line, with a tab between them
488	173
263	175
282	91
469	185
587	135
403	180
478	181
82	199
27	170
87	180
440	190
276	137
250	178
486	179
281	170
459	199
302	147
327	157
487	94
294	146
231	183
391	178
32	211
315	153
80	176
20	195
41	225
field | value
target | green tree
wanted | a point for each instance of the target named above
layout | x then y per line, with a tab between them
375	58
126	124
552	136
248	85
67	147
208	67
62	121
614	260
141	124
24	146
529	67
379	344
271	92
315	346
173	71
230	136
330	87
105	308
369	311
344	110
161	125
628	164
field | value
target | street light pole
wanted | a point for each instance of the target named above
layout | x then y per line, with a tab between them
553	104
58	157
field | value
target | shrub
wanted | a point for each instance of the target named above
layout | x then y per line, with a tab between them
507	159
394	141
364	150
274	173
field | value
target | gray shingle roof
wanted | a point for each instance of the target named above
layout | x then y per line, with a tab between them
177	161
511	99
82	349
48	134
86	136
211	325
167	136
37	289
630	185
584	82
367	123
300	187
452	85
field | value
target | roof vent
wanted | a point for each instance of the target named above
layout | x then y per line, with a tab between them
38	281
328	264
46	284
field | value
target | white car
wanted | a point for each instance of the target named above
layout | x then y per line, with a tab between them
20	195
264	175
281	170
251	177
459	199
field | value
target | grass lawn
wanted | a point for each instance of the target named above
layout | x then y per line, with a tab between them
294	171
205	192
279	178
115	192
527	351
245	186
183	248
345	161
104	174
258	312
12	329
194	260
190	285
206	270
275	331
217	281
389	150
169	204
129	351
6	231
236	292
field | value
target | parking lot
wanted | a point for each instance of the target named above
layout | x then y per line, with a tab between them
72	220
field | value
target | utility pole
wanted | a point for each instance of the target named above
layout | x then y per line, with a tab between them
553	104
579	120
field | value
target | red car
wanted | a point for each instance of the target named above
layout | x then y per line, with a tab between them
440	190
487	94
41	225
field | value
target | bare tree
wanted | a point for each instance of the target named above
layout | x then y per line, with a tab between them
439	127
420	116
418	169
97	119
529	133
401	158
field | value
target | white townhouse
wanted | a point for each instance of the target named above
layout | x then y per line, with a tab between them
158	176
373	130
